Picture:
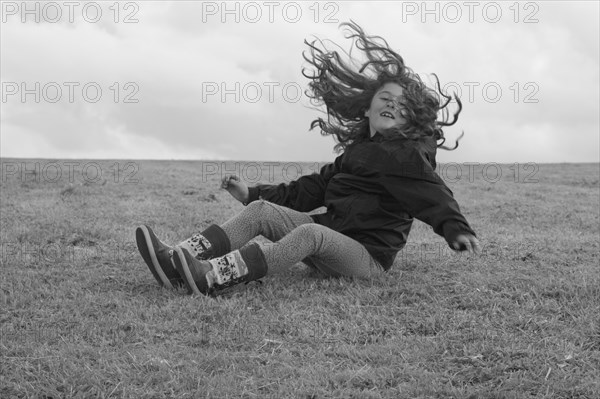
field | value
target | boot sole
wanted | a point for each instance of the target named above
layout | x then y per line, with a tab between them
183	268
148	252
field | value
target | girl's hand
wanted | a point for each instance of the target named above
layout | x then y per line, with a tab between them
237	188
466	242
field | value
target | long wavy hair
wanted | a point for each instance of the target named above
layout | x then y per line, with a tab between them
346	88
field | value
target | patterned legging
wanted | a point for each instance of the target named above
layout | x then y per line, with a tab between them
295	237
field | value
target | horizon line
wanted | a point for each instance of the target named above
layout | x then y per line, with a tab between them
2	158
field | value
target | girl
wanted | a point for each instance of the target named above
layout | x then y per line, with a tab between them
385	120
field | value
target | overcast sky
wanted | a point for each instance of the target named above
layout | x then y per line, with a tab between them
197	80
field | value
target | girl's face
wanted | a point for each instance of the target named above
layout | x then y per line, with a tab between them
384	111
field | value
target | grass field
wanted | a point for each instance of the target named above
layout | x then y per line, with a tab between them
81	315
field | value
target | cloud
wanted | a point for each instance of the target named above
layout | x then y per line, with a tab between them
186	81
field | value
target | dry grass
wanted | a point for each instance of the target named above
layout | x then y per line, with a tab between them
82	316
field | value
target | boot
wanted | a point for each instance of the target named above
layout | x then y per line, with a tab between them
211	243
208	276
159	257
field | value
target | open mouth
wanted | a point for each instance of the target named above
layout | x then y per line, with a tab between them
387	114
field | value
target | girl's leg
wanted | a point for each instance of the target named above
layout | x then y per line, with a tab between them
262	218
258	218
333	253
329	251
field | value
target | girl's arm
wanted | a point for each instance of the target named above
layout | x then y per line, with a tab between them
304	194
411	180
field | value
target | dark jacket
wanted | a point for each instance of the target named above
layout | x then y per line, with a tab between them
372	192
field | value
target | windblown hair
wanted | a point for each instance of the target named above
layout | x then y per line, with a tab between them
347	88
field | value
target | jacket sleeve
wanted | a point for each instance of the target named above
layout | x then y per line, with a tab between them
413	183
304	194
